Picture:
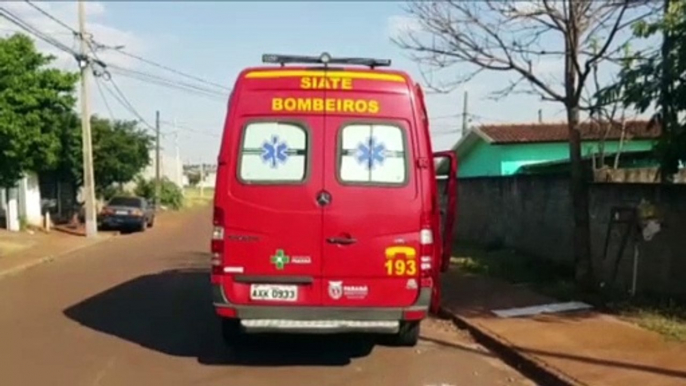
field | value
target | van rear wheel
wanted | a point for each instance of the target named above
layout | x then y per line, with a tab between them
408	334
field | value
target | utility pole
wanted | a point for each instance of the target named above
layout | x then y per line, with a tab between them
88	179
540	115
202	179
178	172
157	160
464	112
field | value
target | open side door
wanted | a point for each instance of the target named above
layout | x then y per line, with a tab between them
449	210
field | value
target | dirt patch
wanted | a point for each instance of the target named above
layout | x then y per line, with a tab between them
13	242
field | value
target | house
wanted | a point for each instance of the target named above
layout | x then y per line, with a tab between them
209	172
502	150
170	168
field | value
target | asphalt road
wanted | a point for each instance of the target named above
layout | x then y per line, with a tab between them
136	311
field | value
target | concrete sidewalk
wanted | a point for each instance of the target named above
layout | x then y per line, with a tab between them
577	348
46	247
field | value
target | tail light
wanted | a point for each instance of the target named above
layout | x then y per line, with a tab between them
426	252
217	245
137	212
107	211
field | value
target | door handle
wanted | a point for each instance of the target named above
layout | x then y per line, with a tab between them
341	240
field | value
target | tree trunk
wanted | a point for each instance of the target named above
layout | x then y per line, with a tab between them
669	119
580	205
581	235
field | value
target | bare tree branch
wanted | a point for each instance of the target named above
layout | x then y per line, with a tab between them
510	36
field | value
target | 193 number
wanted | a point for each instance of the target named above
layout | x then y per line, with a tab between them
401	267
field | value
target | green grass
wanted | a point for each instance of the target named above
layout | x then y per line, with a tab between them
193	199
665	316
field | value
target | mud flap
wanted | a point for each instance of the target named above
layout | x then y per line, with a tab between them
435	305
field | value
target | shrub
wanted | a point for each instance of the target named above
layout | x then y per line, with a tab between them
111	191
170	194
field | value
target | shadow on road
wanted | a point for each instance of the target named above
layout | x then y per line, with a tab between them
171	312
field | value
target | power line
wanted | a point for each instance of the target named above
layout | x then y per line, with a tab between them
130	106
102	96
125	72
14	19
150	62
118	95
186	128
160	81
145	74
124	102
122	98
53	18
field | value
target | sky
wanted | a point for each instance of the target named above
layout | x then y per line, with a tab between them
216	40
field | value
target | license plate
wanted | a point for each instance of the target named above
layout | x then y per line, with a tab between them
283	293
121	212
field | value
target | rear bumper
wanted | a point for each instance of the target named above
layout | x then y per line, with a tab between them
121	221
320	319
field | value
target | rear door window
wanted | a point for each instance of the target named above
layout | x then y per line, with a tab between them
125	201
273	152
372	154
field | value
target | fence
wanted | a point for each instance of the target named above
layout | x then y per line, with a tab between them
533	214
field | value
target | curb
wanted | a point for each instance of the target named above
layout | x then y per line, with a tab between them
49	258
532	367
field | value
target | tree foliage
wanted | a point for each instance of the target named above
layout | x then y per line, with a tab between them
657	79
170	194
514	37
35	103
121	150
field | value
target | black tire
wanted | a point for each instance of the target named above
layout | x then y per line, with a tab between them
408	334
231	332
151	223
143	226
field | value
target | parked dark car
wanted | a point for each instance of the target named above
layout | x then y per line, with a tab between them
123	212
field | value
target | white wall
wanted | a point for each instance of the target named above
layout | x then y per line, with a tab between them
22	201
170	167
209	180
29	199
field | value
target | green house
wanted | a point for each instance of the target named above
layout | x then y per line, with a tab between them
502	150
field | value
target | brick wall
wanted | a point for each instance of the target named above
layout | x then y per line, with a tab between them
533	214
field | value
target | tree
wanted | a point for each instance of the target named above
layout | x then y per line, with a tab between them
507	36
121	150
35	102
656	79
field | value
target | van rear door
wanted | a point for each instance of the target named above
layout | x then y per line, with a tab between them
371	225
273	222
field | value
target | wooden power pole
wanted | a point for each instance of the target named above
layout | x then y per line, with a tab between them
88	179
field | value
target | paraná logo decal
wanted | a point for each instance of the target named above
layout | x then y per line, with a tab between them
335	289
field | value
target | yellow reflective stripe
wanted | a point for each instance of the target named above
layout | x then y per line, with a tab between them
409	252
334	74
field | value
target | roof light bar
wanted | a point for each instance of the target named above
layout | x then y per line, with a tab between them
325	58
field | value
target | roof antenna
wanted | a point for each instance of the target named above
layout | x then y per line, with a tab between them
325	58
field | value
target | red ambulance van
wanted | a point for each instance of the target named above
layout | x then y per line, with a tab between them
326	209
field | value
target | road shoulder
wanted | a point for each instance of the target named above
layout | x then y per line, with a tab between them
50	247
575	348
